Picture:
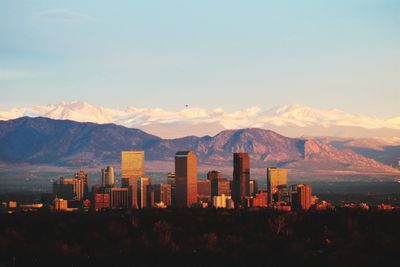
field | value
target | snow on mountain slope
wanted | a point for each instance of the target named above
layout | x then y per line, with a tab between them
293	120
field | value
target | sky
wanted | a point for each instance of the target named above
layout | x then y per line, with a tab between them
231	54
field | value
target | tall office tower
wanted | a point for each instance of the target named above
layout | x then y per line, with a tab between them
132	167
301	196
214	175
185	178
69	188
241	177
132	163
253	188
142	183
162	193
84	177
120	198
107	177
220	186
204	191
171	181
276	185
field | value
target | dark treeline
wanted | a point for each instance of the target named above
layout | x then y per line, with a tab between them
201	237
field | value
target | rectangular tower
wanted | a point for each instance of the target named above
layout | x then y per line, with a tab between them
107	177
241	176
301	195
142	183
132	167
186	178
276	184
132	163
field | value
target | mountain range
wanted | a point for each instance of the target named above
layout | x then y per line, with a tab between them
69	143
290	120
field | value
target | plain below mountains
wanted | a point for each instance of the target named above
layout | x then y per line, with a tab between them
68	143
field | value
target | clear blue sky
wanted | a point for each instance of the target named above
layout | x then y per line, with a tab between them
208	53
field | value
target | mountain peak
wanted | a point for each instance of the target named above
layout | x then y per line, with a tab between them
291	120
48	141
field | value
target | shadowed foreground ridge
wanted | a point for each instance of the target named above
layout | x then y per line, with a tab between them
200	237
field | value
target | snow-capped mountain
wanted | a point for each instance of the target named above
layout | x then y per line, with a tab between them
291	120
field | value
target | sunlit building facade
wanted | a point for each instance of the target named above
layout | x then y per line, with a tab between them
60	204
185	178
276	185
301	196
132	167
108	177
223	202
142	183
84	176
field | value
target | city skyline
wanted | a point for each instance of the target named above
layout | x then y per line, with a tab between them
341	55
199	133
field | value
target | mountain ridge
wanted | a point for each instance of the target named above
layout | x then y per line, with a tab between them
291	120
69	143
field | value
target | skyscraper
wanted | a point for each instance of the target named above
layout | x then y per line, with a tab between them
132	163
253	188
142	183
186	178
241	176
132	167
81	175
301	195
276	185
107	177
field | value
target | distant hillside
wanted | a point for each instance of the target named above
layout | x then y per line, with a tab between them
62	142
69	143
